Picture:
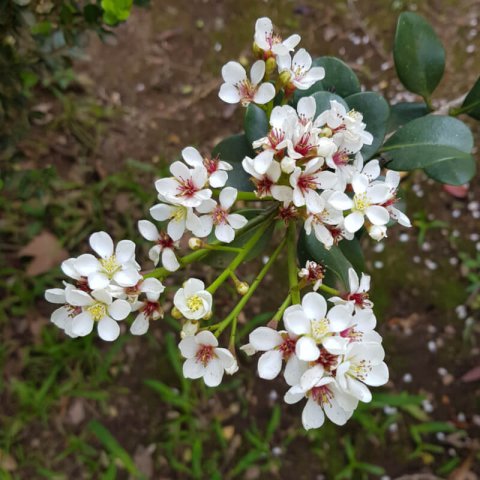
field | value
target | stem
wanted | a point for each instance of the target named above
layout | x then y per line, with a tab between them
329	290
162	272
246	196
279	313
222	248
241	256
233	332
292	263
220	327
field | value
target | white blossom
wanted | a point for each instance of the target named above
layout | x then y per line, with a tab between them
216	169
63	316
192	300
302	74
148	308
270	42
204	359
358	295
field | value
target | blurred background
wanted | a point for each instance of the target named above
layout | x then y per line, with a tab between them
90	116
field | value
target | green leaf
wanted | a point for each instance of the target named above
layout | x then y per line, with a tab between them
375	111
405	112
471	104
419	55
440	145
115	11
233	150
309	248
323	99
353	252
168	395
255	123
339	79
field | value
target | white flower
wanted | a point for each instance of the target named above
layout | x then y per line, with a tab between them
344	167
313	272
278	346
266	183
63	316
362	365
216	169
118	266
377	232
311	322
205	359
324	398
322	220
193	301
238	88
164	245
306	182
219	216
186	187
270	42
367	201
358	294
302	74
189	329
97	306
392	180
149	309
180	218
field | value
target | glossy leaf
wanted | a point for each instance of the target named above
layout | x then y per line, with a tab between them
375	111
353	253
405	112
255	123
419	55
233	150
339	79
471	104
441	145
336	263
323	99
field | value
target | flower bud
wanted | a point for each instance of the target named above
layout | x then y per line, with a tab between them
195	243
189	329
208	316
326	132
287	164
284	78
326	147
270	66
377	232
232	369
176	313
242	288
257	51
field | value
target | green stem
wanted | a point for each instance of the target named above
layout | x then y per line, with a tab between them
292	262
241	256
220	327
279	314
222	248
459	110
246	196
329	290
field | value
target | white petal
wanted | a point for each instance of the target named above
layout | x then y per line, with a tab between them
140	325
206	338
213	373
86	264
102	244
353	280
169	260
119	309
312	415
82	324
226	358
233	72
378	215
378	193
102	296
125	251
311	377
236	220
294	395
127	278
265	338
225	233
55	295
339	317
160	212
265	93
340	201
306	349
336	413
354	222
377	376
192	156
270	364
227	197
314	305
108	329
193	369
188	347
229	94
360	184
263	161
78	298
176	229
294	369
297	322
98	280
257	72
218	179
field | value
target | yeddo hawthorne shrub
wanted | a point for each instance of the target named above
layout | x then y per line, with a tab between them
307	157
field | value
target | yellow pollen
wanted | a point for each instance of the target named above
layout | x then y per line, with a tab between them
98	310
179	214
194	303
110	265
320	328
361	202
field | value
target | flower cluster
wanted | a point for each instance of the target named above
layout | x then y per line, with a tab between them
309	170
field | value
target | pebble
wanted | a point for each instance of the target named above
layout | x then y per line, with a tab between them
388	410
404	237
440	436
379	247
432	346
426	247
456	213
273	395
407	378
427	406
378	264
217	47
461	312
277	451
461	417
453	261
474	237
442	371
470	48
416	259
430	264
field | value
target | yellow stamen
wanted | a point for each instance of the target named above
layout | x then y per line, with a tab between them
110	265
98	310
194	303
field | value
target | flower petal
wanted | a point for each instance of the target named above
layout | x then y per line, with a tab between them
119	309
82	324
102	244
108	329
270	364
312	415
265	338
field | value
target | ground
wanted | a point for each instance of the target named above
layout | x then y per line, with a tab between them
83	409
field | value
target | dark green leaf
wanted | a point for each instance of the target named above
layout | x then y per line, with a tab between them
323	99
405	112
255	123
419	55
375	111
339	79
352	250
471	104
233	150
441	145
309	248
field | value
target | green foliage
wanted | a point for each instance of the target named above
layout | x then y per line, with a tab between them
375	111
440	145
419	55
256	123
471	104
323	99
233	150
115	11
405	112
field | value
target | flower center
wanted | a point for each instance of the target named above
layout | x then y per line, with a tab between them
165	241
264	186
329	361
361	202
303	146
322	395
360	369
73	311
219	215
194	303
186	188
340	159
179	213
320	328
211	164
287	347
110	265
247	91
360	299
150	308
204	354
275	136
98	310
307	182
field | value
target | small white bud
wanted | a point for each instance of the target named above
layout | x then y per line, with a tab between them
287	164
189	329
242	288
326	147
195	243
378	232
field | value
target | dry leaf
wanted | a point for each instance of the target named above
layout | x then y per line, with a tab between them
46	253
7	462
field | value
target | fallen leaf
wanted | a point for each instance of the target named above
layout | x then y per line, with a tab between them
472	375
7	462
457	191
46	253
